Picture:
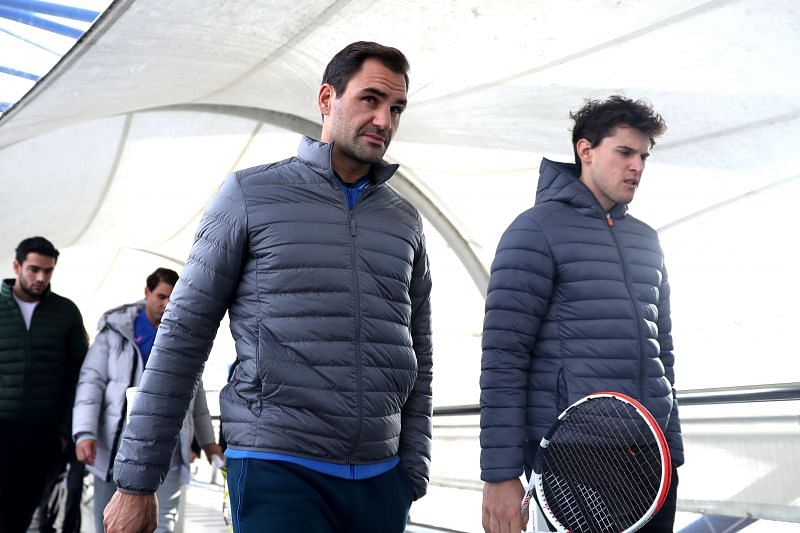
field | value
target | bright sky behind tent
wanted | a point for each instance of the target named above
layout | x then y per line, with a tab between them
34	36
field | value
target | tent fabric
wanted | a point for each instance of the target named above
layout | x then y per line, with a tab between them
114	153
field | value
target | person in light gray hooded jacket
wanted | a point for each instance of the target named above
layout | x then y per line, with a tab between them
323	270
115	363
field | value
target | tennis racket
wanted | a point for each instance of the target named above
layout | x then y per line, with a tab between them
603	466
220	466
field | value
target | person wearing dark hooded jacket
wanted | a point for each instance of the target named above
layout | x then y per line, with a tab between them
578	302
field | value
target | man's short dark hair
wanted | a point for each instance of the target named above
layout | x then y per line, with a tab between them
162	275
349	60
597	119
35	245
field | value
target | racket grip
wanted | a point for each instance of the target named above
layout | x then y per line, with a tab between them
217	461
217	465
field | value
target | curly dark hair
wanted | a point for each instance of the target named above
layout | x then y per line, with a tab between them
597	119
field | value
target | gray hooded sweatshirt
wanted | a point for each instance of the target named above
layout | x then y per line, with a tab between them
113	364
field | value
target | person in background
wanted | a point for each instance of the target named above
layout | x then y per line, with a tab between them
114	364
42	345
578	302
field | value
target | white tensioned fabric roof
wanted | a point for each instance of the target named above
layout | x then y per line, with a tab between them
114	154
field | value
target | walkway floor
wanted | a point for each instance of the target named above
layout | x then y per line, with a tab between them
202	512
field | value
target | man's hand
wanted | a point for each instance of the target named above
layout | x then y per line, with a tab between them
213	449
501	507
86	451
131	513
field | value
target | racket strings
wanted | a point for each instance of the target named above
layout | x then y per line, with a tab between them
627	422
580	506
616	458
618	461
622	477
638	462
585	512
595	505
560	491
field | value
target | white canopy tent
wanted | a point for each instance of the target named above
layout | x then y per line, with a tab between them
115	153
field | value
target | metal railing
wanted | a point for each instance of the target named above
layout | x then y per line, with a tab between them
705	430
713	396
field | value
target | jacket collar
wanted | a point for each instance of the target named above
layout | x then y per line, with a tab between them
318	154
558	182
7	289
121	318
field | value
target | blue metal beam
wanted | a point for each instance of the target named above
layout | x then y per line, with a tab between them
47	8
18	73
30	42
4	106
24	17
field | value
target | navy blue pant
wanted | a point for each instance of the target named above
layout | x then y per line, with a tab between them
664	519
276	496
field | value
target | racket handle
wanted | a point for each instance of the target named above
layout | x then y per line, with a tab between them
217	464
217	461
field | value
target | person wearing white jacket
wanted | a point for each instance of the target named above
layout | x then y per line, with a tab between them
115	363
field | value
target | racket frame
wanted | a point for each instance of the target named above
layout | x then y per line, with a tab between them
535	485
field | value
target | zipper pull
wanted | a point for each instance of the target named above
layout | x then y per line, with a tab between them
609	220
352	225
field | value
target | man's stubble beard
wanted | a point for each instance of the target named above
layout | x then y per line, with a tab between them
357	152
27	290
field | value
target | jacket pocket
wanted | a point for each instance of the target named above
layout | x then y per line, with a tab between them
244	387
405	481
562	392
278	365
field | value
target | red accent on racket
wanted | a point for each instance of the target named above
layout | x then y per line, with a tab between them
603	466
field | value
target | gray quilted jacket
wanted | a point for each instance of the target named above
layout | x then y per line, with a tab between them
577	303
113	364
330	311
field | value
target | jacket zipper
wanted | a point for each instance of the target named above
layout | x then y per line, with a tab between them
632	299
27	350
26	392
357	297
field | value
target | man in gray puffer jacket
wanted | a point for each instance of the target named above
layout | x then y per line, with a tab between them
578	302
323	270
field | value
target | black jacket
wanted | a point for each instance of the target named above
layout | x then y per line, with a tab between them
39	367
